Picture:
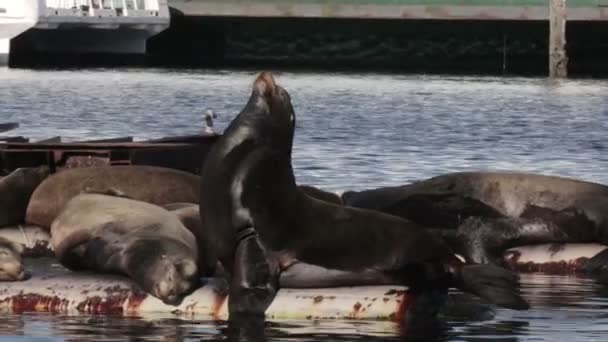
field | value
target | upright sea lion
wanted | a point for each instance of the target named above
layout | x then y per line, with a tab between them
150	184
260	222
15	192
11	265
119	235
494	211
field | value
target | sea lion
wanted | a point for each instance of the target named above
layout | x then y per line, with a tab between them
123	236
11	265
320	194
189	215
157	185
15	192
34	241
493	211
260	223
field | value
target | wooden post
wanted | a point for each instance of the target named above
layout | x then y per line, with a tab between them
558	59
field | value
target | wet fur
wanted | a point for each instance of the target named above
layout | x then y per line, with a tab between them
15	192
257	208
111	234
493	211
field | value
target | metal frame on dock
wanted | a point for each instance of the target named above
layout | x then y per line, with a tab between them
184	153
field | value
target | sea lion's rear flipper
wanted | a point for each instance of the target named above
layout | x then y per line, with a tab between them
302	275
483	240
495	284
254	280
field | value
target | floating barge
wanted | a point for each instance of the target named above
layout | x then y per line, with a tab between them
184	153
54	289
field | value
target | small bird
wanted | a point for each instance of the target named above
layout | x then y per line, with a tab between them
209	116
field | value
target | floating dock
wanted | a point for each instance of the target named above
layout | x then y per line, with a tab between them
53	289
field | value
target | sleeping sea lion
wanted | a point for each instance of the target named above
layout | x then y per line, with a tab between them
11	265
260	223
156	185
118	235
494	211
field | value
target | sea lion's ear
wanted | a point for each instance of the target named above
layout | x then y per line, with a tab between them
264	84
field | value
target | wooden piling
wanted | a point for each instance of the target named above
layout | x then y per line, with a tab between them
558	59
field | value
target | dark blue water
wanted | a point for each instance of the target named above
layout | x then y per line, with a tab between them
354	131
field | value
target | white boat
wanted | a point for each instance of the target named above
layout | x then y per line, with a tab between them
16	16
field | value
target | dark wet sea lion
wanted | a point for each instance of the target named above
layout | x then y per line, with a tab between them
320	194
117	235
156	185
15	191
260	223
494	211
11	265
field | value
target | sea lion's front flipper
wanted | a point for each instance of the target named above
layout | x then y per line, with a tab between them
495	284
254	280
303	275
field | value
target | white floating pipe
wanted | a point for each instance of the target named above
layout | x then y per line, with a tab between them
56	290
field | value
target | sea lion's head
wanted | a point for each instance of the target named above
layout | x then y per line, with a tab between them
11	265
270	104
165	269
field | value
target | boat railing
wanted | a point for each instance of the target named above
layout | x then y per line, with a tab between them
103	8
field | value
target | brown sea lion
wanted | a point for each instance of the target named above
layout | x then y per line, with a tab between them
188	214
11	265
260	223
15	191
144	241
150	184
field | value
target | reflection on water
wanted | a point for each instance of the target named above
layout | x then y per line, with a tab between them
354	131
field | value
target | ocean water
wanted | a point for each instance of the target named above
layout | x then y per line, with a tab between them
354	131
